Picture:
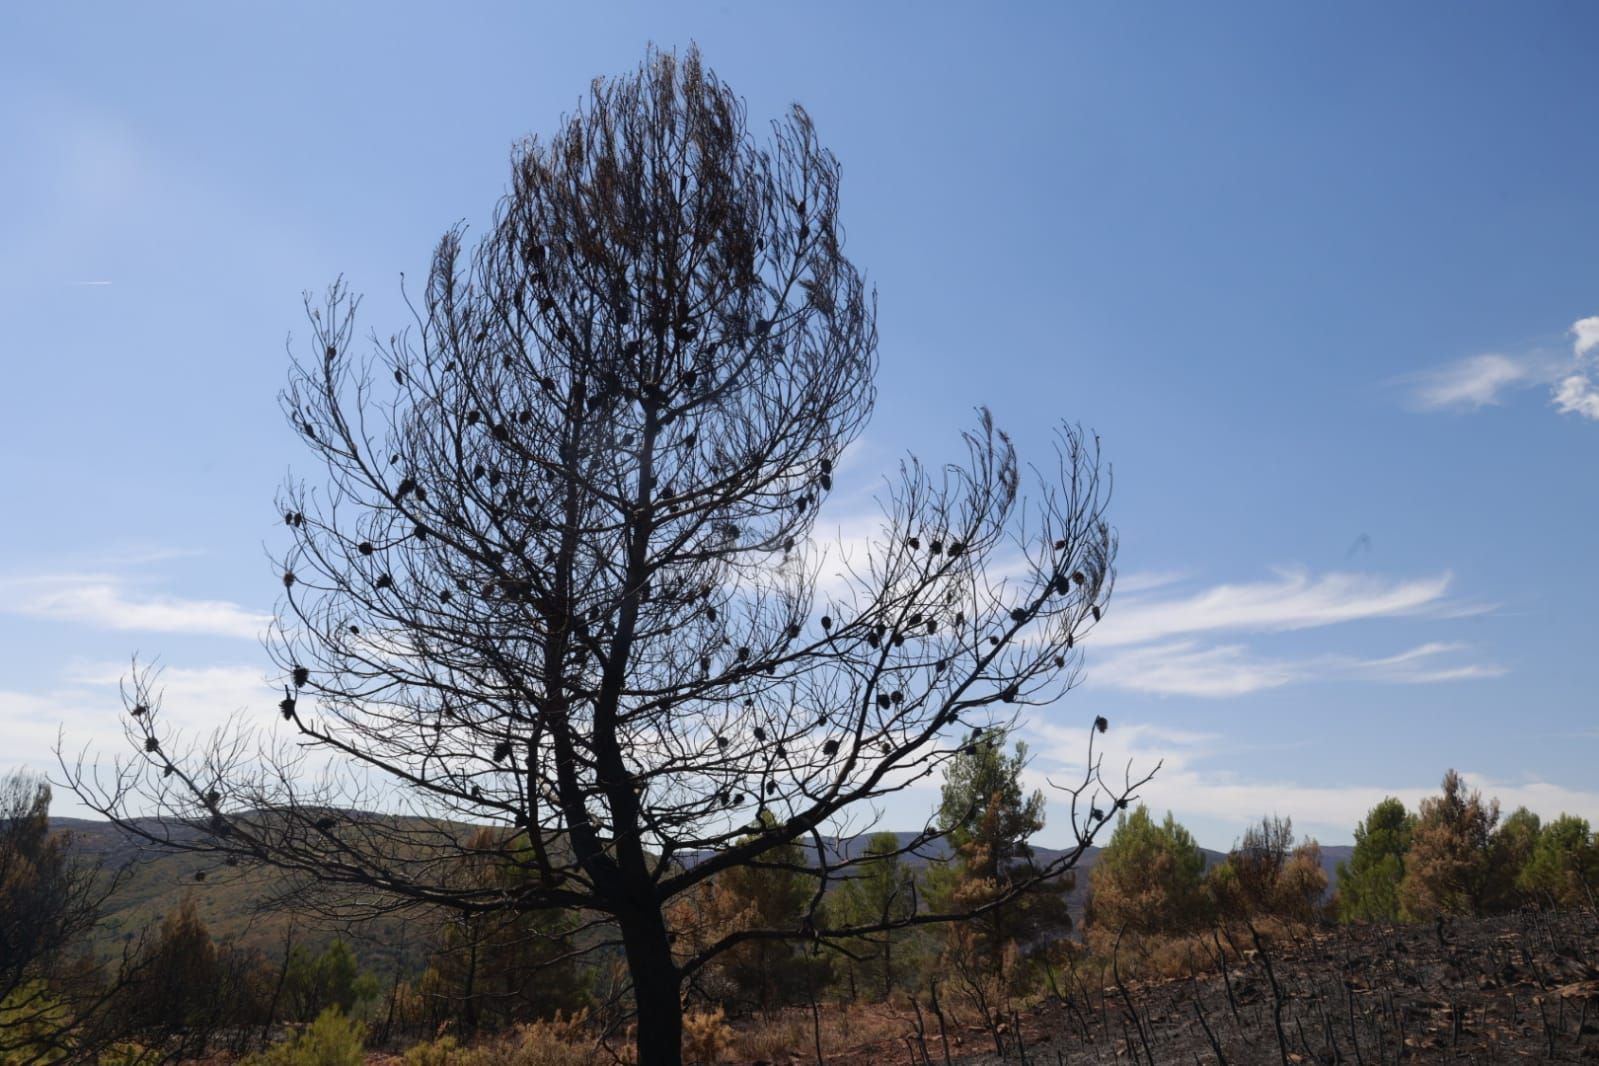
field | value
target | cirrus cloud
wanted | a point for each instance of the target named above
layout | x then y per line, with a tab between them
1169	642
1293	599
1187	668
1487	379
108	601
1475	381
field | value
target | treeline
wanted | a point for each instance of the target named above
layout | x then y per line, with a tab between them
1457	857
1152	882
1454	857
176	993
986	960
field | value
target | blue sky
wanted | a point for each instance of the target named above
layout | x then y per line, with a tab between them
1317	275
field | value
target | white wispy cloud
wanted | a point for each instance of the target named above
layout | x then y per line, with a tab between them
1147	581
1187	668
1420	666
203	692
111	601
82	714
1172	641
85	708
1164	634
1578	394
1479	381
1475	381
1293	599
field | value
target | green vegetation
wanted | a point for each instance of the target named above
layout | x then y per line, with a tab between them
1148	880
333	1039
1562	868
875	965
33	1020
989	819
1368	884
518	990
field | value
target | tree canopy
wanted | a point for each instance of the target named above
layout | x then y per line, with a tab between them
1368	884
1449	867
563	574
1148	879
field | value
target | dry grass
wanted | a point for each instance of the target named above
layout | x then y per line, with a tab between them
850	1033
1180	957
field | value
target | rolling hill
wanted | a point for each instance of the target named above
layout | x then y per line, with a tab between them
236	903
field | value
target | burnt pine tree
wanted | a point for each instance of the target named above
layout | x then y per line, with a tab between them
562	576
52	1005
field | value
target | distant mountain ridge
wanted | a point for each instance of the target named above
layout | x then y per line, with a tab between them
852	846
232	903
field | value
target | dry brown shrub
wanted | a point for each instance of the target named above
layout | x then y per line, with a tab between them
1178	957
772	1038
706	1036
792	1033
868	1023
559	1041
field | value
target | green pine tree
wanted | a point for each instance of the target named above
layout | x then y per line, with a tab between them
1563	868
884	890
772	892
1368	884
1149	880
989	819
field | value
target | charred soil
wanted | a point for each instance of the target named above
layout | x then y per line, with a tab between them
1515	988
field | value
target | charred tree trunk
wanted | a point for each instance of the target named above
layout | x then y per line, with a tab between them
657	990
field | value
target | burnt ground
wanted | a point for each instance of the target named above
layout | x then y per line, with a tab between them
1518	988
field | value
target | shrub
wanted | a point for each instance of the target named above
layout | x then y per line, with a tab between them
886	887
445	1051
495	970
32	1023
1256	864
1509	852
128	1053
706	1037
330	979
177	996
332	1040
560	1041
989	817
1302	885
758	974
